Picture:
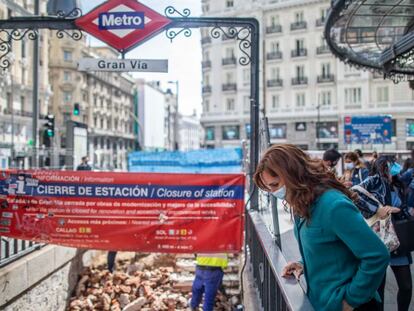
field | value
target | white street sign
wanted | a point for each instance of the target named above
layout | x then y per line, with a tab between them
142	65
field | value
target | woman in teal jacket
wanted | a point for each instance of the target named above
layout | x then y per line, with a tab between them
343	260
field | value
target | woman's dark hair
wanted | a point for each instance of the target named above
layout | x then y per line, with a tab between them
381	167
408	163
305	178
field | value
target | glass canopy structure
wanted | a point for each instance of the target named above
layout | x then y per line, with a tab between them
373	34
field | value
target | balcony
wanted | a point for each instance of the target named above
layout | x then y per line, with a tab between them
206	40
299	53
274	55
229	61
206	89
229	87
274	29
274	83
298	25
324	49
326	78
206	64
320	22
299	81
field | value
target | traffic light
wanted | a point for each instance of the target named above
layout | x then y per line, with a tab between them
50	125
49	130
76	109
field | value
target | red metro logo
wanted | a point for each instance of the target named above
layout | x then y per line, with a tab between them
122	24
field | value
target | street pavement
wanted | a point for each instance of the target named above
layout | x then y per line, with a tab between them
291	252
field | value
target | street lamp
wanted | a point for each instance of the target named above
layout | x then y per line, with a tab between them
177	87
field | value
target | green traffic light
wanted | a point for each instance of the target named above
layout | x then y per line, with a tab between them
76	109
50	133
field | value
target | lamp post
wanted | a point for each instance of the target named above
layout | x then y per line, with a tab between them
177	87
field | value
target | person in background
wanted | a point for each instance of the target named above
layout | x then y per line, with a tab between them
111	260
84	166
342	271
355	171
330	159
380	184
208	279
407	178
365	162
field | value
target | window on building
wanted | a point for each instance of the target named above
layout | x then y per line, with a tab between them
300	100
323	42
210	134
325	98
410	127
67	56
275	73
95	121
274	46
67	76
246	76
323	14
84	96
274	20
67	97
326	70
231	132
230	104
275	101
206	55
229	53
23	48
229	3
229	77
300	72
22	103
246	103
353	95
382	94
350	70
300	45
299	17
206	105
278	131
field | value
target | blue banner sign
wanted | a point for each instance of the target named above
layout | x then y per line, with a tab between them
368	129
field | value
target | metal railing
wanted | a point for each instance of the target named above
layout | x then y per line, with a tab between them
229	87
274	83
229	61
206	64
299	80
323	49
298	25
274	29
267	261
274	55
13	249
299	53
326	78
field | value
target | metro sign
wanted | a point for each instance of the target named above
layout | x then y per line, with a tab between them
122	24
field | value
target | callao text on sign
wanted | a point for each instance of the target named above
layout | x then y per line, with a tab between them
123	24
167	213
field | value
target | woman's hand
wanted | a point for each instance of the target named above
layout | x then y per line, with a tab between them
384	211
293	269
346	306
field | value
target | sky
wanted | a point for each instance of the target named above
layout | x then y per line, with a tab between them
184	66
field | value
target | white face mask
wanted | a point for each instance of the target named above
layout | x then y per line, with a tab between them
349	166
280	193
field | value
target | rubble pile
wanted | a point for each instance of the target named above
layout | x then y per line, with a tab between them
150	283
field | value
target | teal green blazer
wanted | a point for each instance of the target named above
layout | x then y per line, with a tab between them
343	258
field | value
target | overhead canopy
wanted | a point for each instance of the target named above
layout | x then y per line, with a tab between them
376	34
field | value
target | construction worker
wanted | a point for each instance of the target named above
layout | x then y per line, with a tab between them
208	278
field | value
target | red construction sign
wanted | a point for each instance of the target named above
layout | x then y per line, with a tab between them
166	213
122	24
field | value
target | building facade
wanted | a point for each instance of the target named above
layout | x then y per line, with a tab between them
16	91
105	103
305	92
190	133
